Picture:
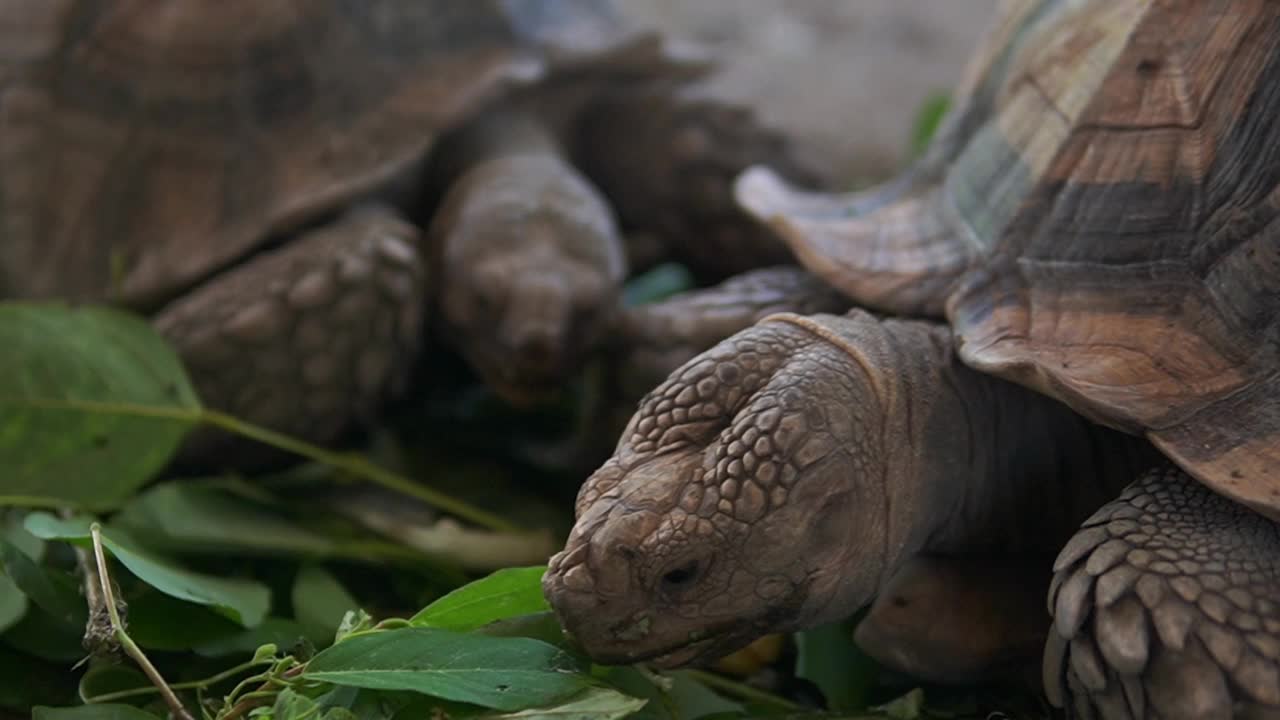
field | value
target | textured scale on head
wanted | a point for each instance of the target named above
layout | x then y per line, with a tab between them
724	512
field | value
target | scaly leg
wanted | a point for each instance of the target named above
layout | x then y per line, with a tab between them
306	339
656	338
1166	604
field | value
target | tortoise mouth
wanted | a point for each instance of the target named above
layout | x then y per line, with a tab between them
514	383
666	658
687	655
523	390
712	645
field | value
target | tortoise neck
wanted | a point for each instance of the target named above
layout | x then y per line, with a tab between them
1001	468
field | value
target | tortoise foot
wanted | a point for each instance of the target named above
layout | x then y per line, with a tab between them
668	166
1166	604
305	339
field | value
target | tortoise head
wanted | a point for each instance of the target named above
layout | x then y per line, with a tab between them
736	504
531	274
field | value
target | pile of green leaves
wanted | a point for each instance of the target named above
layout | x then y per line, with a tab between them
234	599
242	602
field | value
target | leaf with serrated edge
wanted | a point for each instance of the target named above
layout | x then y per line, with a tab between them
498	673
503	594
93	402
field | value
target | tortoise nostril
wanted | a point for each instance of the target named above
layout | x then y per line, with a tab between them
626	552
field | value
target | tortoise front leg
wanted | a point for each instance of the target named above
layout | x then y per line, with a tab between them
655	338
960	619
305	340
1166	604
668	165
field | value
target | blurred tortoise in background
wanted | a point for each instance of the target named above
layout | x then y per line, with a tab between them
1097	222
215	165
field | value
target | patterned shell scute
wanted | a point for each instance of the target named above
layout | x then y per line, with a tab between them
144	145
1126	196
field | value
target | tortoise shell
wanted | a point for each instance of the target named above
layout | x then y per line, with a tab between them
1099	219
145	145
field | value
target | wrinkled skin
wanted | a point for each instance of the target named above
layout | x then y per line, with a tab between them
778	480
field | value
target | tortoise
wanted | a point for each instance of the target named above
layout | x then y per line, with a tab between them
1078	359
252	177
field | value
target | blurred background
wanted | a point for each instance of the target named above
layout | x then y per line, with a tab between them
809	66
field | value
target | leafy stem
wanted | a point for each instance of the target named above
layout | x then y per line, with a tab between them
117	626
356	465
360	467
201	684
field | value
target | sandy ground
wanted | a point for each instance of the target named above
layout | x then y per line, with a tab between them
846	77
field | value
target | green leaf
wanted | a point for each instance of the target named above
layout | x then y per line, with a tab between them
361	704
26	681
684	698
542	626
93	403
186	517
55	593
428	707
289	705
282	632
319	600
828	657
928	118
161	622
594	703
499	673
110	677
908	707
660	282
503	594
11	530
243	601
13	603
92	712
40	634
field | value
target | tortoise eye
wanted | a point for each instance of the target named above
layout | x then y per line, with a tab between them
682	576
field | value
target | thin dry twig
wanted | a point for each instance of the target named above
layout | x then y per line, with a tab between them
130	647
97	636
